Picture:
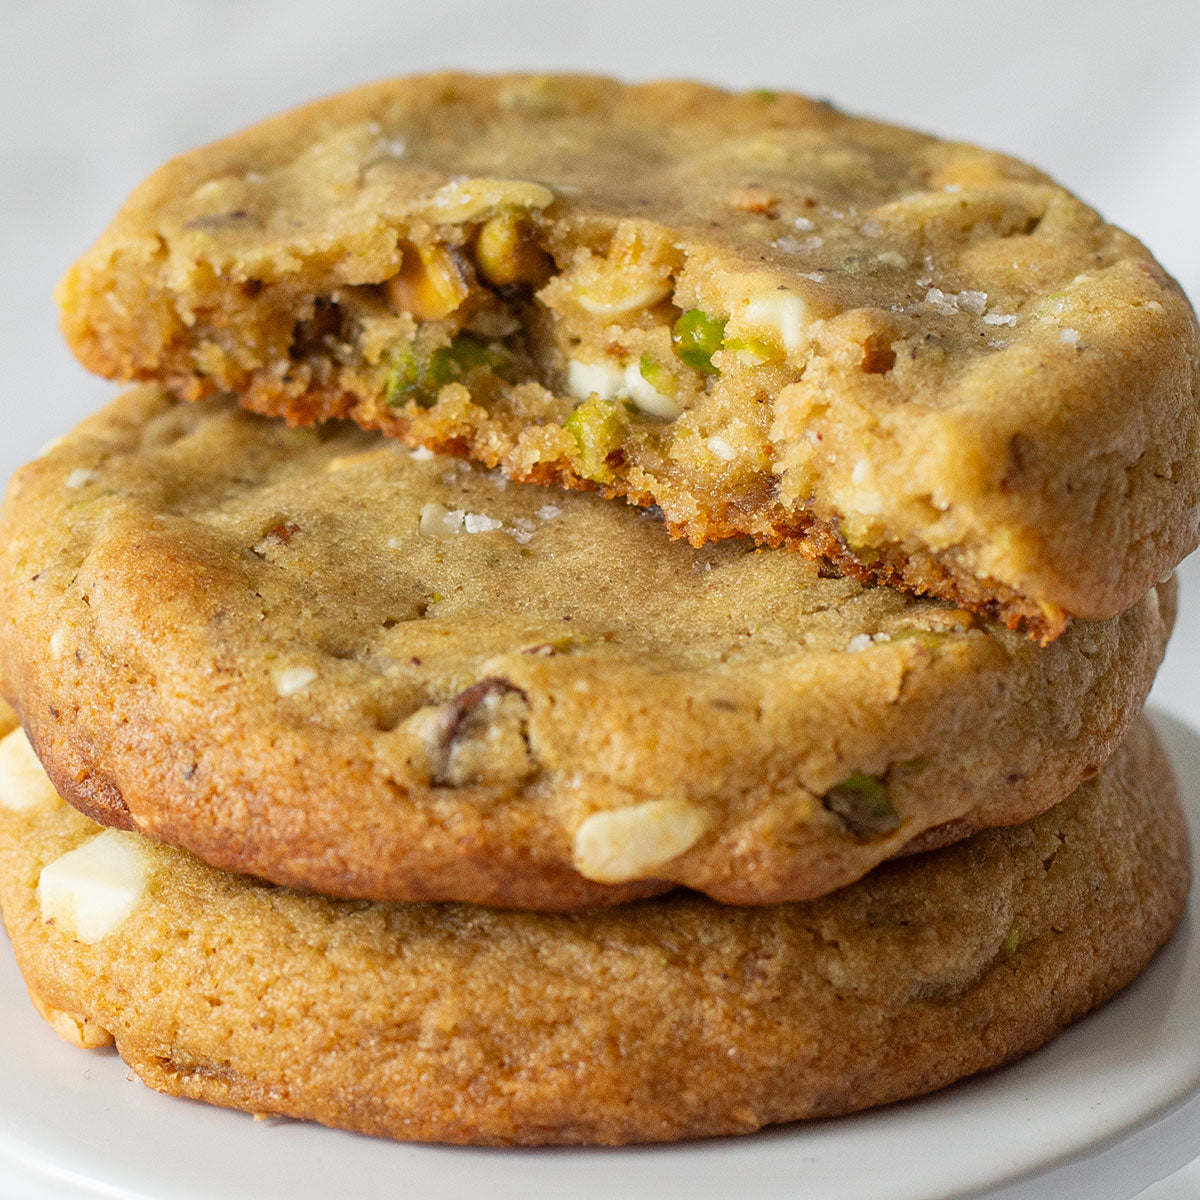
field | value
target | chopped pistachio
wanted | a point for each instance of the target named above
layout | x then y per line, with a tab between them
757	348
430	284
766	95
864	805
657	376
596	425
1011	943
419	376
506	253
696	337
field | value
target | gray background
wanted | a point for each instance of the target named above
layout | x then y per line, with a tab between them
1104	95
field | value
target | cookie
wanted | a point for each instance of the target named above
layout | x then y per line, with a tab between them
924	360
315	657
8	718
664	1019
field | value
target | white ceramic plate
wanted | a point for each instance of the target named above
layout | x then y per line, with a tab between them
1104	1111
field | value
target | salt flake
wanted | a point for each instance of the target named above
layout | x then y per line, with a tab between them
972	302
480	523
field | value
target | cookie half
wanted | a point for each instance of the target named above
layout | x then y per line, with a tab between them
315	657
664	1019
922	359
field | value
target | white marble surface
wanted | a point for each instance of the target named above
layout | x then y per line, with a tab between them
1105	95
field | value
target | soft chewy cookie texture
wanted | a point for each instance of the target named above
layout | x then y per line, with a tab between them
316	657
919	358
663	1019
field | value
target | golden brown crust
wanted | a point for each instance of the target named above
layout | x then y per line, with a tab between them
989	394
235	637
668	1019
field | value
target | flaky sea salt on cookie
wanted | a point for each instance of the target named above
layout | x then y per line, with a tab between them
922	359
671	1018
319	658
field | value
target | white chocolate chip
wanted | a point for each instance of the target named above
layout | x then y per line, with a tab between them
648	399
612	382
784	313
90	891
629	843
81	477
721	448
600	379
24	784
291	680
58	642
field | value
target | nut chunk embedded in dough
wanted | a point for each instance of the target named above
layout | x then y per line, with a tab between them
921	359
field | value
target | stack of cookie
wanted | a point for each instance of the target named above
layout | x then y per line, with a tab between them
418	785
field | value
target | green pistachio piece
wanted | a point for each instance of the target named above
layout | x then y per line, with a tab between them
658	376
418	377
766	95
760	349
864	805
1012	940
597	427
696	337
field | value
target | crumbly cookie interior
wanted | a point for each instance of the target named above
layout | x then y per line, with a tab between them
923	360
621	361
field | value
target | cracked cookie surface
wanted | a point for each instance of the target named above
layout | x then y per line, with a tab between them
921	359
317	657
668	1018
